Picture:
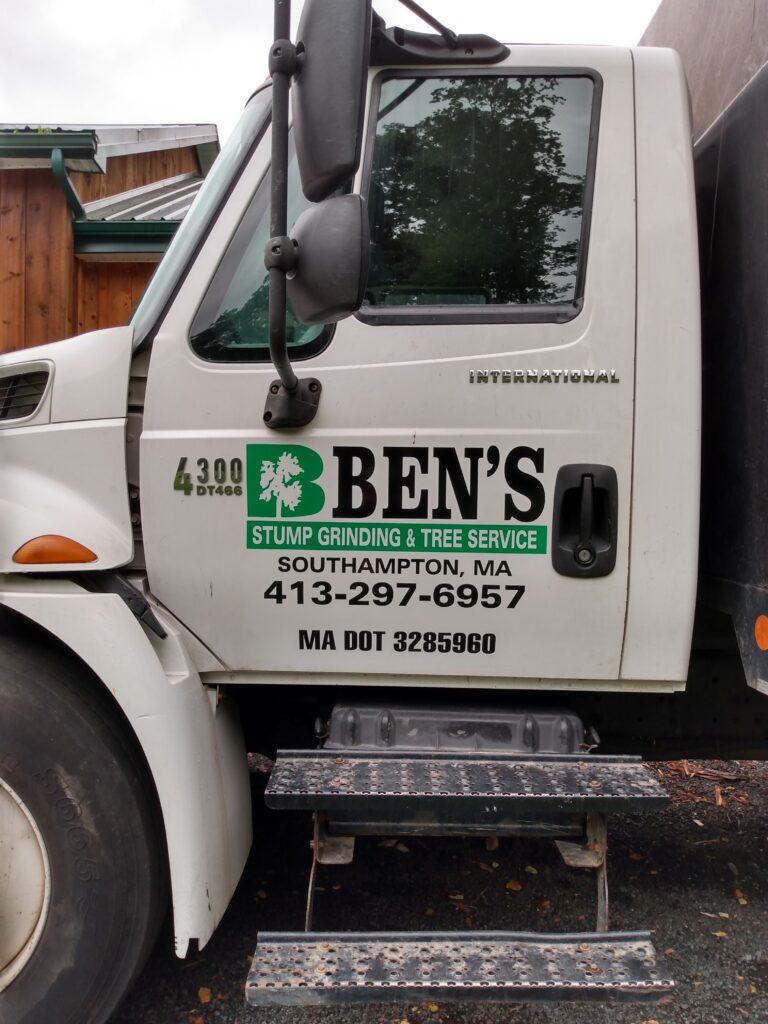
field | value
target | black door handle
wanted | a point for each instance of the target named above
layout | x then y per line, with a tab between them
585	520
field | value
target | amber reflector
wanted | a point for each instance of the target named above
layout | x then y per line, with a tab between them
52	550
761	632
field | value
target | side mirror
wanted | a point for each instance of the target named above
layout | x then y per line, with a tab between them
331	261
328	98
329	65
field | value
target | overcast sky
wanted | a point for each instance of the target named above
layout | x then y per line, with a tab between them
170	61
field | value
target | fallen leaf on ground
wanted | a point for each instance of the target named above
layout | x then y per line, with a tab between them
456	896
743	1012
204	995
690	771
669	952
196	1020
492	843
733	869
706	913
543	906
388	842
720	935
432	1007
531	870
428	912
635	856
513	885
752	989
699	823
261	894
484	867
719	798
401	848
740	898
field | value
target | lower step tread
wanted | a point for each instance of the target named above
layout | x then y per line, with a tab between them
306	969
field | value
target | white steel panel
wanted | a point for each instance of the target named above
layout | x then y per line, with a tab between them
665	504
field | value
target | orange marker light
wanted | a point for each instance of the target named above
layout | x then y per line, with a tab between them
761	632
51	549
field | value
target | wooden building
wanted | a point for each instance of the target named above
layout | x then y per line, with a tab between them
85	215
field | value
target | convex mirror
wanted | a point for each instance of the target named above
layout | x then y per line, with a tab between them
332	260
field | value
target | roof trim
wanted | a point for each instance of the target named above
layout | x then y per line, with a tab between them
98	237
87	148
80	145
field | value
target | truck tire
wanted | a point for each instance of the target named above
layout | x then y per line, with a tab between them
82	868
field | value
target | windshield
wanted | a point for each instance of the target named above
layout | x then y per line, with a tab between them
195	225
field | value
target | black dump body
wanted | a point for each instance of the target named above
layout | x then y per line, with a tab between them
731	166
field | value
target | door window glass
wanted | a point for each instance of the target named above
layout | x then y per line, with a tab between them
478	193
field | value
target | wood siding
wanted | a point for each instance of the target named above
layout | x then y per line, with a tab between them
127	172
36	260
46	294
107	293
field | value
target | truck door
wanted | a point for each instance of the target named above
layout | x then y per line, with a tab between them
458	511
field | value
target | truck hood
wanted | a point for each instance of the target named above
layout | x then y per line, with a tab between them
62	449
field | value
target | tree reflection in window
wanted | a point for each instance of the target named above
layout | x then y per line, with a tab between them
477	190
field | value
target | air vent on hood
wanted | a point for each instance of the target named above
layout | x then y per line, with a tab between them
21	394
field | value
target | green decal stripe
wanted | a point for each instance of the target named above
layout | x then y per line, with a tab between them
463	537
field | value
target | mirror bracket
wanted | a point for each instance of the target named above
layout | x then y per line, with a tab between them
296	408
280	254
283	58
290	402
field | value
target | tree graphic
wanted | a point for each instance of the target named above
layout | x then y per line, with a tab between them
274	481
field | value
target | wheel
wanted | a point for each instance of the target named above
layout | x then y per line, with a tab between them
82	869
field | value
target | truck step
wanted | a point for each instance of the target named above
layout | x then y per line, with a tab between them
309	969
480	784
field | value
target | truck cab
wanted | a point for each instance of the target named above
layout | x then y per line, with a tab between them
496	489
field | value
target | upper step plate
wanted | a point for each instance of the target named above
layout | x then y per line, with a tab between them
482	784
311	969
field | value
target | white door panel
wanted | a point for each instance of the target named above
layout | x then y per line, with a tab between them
284	593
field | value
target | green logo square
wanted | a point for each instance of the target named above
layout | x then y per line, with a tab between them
280	481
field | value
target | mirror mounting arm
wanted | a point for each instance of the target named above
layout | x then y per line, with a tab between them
290	402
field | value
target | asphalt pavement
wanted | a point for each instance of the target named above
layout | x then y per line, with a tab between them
696	874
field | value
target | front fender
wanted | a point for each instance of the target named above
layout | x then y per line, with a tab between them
193	746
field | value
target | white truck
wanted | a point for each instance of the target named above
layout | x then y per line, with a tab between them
465	538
